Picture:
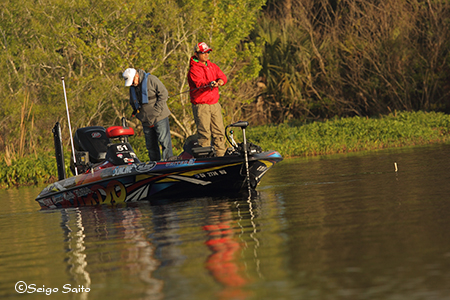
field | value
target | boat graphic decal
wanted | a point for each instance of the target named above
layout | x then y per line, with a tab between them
145	167
160	178
180	162
114	192
264	165
128	169
168	179
275	154
191	180
142	177
141	180
195	172
123	170
138	194
90	177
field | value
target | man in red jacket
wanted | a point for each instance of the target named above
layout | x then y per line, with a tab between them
204	79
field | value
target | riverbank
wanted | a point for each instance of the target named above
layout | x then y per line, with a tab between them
291	139
353	134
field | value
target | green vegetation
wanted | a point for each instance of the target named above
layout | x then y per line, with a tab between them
291	139
289	62
285	59
28	170
90	44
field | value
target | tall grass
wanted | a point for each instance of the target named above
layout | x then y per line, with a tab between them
325	58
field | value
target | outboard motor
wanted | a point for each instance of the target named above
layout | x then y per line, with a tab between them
92	140
91	145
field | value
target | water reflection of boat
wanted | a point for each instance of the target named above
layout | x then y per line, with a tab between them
112	173
88	230
75	248
145	251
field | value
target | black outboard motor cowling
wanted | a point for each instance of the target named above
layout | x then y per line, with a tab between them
91	145
92	139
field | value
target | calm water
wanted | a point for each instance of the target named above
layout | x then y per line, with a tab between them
335	227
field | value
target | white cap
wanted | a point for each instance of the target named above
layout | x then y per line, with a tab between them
128	75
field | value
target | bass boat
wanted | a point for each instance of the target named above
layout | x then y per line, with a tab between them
107	170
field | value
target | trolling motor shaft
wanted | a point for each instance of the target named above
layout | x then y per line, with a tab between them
243	125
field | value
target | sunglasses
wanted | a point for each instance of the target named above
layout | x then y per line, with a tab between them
204	52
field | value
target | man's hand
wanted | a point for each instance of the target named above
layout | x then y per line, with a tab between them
217	83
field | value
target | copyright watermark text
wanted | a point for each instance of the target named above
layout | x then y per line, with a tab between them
22	287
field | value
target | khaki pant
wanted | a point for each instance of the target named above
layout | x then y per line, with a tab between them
209	121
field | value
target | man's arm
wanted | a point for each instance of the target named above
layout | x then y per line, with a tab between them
197	77
161	93
221	77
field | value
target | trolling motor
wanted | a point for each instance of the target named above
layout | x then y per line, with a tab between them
243	147
243	125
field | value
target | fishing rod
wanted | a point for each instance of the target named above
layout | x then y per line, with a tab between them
210	85
70	128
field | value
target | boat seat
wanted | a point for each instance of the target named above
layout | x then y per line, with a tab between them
191	149
114	132
201	152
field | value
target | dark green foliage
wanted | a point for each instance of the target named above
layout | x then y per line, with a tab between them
297	61
28	170
92	43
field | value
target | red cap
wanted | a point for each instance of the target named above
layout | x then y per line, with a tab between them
202	47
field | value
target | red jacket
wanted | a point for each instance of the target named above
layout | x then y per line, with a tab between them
200	75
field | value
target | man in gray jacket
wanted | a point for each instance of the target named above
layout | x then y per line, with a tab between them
148	98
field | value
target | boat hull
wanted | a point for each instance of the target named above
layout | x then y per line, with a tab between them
155	181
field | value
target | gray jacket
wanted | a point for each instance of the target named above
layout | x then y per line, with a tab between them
156	109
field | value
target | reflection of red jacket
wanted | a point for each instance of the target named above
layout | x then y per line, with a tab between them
200	75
